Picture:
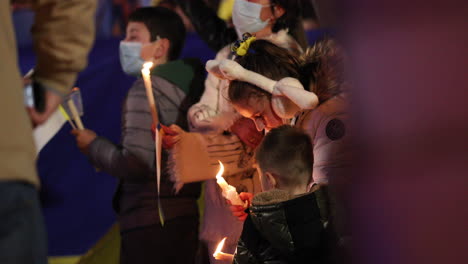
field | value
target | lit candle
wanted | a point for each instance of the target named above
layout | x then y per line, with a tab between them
229	192
221	255
145	72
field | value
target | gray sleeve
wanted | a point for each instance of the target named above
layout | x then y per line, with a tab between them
115	160
135	157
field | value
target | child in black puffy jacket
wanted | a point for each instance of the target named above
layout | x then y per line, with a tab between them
287	222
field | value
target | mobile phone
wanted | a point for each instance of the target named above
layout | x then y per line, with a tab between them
34	96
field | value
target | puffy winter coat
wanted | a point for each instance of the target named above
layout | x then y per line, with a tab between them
285	229
174	85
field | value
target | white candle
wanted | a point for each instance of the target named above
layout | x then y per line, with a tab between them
145	72
229	192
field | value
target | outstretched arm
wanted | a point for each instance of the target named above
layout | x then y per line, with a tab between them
135	158
63	33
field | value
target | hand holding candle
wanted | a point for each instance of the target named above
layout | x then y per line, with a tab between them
84	137
229	192
218	255
238	210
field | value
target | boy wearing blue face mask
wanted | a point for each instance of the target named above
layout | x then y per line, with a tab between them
153	34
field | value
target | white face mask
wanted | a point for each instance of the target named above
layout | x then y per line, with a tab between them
130	59
246	17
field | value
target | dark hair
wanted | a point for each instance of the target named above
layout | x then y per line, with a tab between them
292	20
267	59
323	65
164	23
307	10
287	152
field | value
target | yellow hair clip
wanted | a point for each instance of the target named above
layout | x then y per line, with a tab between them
241	47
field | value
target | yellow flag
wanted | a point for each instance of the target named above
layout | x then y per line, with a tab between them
63	112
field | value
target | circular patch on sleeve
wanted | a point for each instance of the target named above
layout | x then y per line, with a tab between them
335	129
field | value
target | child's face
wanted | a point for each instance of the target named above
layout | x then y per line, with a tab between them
260	111
137	32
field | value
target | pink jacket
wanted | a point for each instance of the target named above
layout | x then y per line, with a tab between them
328	127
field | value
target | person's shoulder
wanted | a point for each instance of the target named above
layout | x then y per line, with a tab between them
284	40
337	105
195	64
137	85
175	72
330	119
137	88
177	68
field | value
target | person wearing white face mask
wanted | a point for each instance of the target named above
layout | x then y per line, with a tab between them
217	34
155	34
247	16
259	17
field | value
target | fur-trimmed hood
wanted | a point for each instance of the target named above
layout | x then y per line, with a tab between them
322	68
276	197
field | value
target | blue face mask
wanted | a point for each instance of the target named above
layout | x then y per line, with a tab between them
130	59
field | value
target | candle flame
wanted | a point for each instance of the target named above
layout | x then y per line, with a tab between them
221	171
219	178
146	67
219	247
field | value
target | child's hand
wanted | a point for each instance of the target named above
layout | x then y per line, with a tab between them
245	196
83	138
239	210
171	135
